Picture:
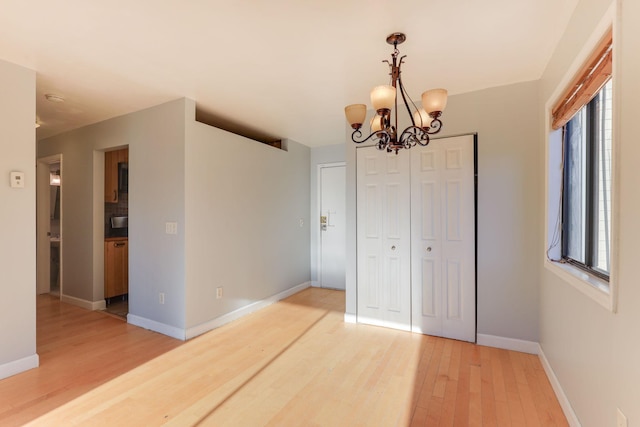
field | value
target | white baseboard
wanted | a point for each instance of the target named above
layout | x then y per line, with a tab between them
350	318
243	311
572	419
89	305
20	365
514	344
152	325
534	348
183	334
315	284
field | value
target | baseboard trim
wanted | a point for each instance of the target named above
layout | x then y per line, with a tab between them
315	284
572	419
243	311
155	326
350	318
513	344
78	302
16	366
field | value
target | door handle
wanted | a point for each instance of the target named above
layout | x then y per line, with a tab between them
429	249
115	195
393	248
118	244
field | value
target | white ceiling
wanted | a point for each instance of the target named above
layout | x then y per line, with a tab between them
282	68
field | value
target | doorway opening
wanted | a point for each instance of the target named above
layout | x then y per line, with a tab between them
49	230
116	232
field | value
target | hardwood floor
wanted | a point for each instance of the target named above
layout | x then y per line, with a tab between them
79	350
297	363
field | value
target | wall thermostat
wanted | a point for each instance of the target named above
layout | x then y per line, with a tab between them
17	179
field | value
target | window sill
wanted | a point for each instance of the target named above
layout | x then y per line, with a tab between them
590	285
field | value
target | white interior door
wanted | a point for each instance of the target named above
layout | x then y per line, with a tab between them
383	238
443	238
332	226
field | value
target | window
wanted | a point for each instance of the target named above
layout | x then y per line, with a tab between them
586	205
580	173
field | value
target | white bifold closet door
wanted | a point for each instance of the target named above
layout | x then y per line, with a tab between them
443	269
422	199
383	235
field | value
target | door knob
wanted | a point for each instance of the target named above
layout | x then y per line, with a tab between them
429	249
393	248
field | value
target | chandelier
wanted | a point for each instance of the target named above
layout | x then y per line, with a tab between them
383	131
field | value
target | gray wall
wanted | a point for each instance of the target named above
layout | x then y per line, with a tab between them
155	138
244	203
507	122
237	202
594	352
17	220
320	155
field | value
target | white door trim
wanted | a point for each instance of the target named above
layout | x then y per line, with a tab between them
316	221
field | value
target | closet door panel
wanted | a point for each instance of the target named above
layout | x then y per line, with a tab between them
383	239
443	233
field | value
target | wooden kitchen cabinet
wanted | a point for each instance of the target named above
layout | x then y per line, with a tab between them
111	160
116	267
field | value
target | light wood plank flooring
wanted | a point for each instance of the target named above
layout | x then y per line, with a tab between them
79	350
297	363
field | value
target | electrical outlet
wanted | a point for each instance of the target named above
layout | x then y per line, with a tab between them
218	293
161	298
171	228
622	420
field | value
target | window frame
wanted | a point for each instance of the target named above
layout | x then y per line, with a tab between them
601	292
593	128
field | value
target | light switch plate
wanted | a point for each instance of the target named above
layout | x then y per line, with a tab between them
171	228
17	180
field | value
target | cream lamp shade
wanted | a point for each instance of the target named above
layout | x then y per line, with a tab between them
383	97
421	119
376	123
434	100
355	114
